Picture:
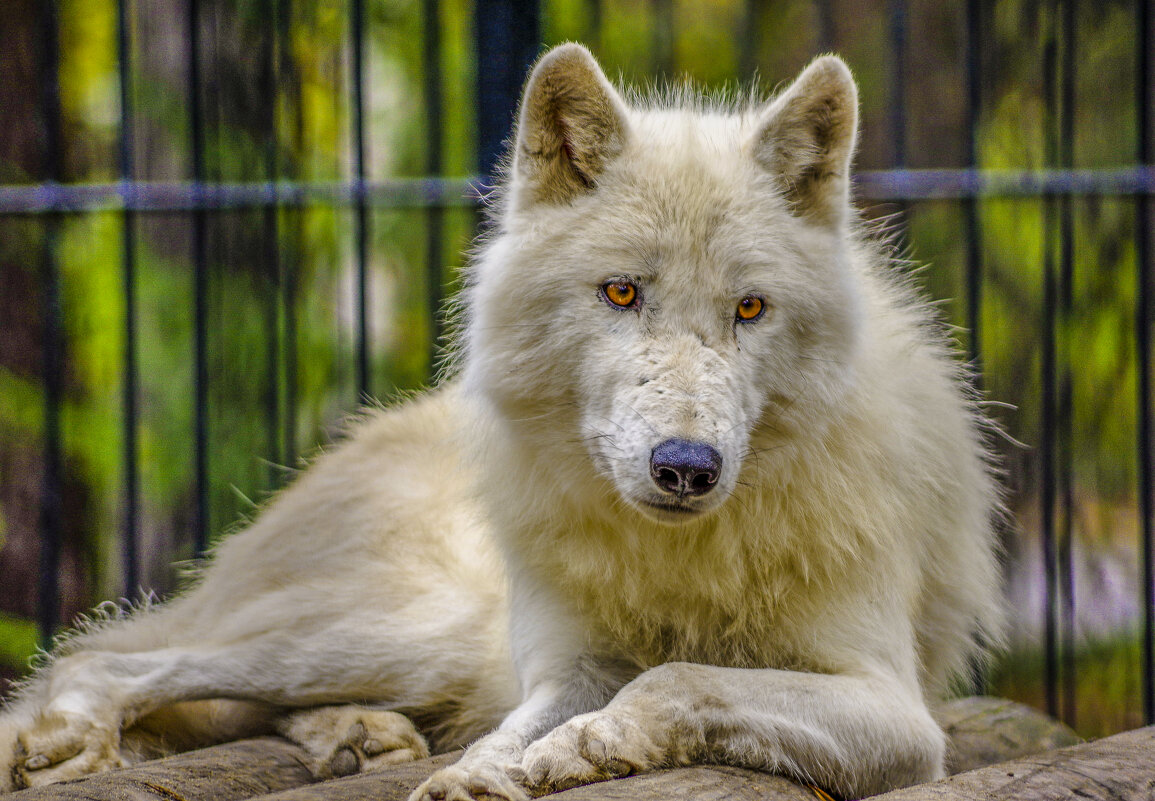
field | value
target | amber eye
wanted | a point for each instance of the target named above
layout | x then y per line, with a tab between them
622	294
750	308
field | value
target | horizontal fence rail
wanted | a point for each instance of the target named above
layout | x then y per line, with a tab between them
185	196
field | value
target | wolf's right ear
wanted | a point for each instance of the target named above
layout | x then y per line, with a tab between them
571	125
806	139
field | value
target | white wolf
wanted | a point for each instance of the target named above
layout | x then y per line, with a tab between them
706	485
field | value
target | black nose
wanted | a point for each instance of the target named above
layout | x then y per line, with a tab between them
685	468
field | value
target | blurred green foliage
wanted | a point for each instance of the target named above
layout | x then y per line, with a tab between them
1104	672
19	639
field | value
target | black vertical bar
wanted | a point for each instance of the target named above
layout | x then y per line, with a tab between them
271	229
747	40
200	285
1066	304
289	317
663	52
898	17
130	379
289	271
507	35
357	37
1145	276
974	254
826	26
1047	459
435	215
51	497
594	17
974	245
1048	423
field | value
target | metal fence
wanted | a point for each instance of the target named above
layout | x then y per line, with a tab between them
507	35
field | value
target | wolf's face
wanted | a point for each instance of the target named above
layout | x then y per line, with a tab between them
669	293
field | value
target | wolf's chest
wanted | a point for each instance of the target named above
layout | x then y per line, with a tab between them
731	621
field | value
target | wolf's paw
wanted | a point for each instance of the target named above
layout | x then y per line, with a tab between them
343	740
488	771
60	746
588	748
475	783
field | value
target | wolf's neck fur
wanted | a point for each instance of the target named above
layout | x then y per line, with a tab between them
682	593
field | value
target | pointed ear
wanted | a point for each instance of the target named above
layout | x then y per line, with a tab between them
806	138
572	124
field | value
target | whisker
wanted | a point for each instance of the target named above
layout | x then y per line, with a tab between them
610	420
642	417
542	416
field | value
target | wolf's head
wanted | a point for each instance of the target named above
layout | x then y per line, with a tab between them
668	295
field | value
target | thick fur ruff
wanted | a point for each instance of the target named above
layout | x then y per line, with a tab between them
705	482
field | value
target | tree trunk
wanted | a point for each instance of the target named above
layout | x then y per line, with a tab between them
1118	768
982	731
229	772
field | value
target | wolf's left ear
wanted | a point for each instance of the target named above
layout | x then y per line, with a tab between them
572	123
806	138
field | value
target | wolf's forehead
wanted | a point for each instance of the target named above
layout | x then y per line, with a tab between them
694	164
684	201
697	120
689	142
686	180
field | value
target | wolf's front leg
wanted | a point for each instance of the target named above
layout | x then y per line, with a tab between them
491	767
559	680
851	735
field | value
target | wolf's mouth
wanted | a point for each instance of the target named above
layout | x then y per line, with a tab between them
671	510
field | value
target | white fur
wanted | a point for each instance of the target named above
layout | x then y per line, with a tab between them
496	552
